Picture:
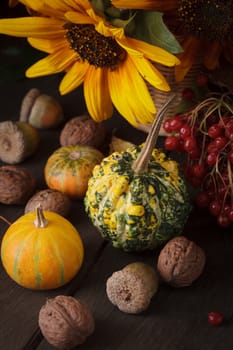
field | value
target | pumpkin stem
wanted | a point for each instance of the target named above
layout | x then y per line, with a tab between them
40	220
140	165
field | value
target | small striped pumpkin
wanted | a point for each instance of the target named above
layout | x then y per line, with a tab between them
42	250
69	168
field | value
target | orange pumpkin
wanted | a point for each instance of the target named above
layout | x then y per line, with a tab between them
42	250
69	169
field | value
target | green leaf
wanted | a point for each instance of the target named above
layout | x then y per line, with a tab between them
150	27
104	7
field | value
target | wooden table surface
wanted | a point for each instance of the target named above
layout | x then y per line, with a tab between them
175	319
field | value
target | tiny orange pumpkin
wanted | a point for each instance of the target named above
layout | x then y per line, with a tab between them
42	250
69	169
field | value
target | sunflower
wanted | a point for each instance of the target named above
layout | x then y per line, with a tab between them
205	25
114	69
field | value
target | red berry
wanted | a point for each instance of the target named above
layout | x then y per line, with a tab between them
171	143
202	80
211	147
195	153
190	143
229	129
185	131
230	215
223	220
202	199
215	130
224	120
176	123
220	142
199	170
215	207
211	158
230	156
166	126
215	318
188	94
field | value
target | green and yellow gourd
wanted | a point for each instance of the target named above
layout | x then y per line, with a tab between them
138	198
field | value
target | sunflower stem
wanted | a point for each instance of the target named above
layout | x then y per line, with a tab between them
140	165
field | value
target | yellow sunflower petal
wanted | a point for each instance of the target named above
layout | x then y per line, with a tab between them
158	5
105	30
42	8
77	17
54	63
97	95
154	53
192	48
48	46
130	94
58	5
37	27
79	5
150	73
74	77
212	55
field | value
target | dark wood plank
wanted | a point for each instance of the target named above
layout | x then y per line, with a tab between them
176	318
19	307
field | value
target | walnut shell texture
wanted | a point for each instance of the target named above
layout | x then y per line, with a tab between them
180	262
51	200
66	322
16	184
84	131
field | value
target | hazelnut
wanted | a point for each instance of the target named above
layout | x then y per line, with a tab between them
65	322
84	131
119	145
41	110
51	200
180	262
132	288
18	140
16	184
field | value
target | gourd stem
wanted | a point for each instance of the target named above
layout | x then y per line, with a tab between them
140	165
40	220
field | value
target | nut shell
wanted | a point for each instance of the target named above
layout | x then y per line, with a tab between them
180	262
40	110
132	288
16	184
18	140
84	131
51	200
65	322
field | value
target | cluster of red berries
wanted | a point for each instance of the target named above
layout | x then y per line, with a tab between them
204	135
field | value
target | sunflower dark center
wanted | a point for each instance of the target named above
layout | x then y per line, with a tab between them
98	50
207	19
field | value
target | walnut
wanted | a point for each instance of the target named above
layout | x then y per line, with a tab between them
132	288
65	322
16	184
51	200
82	130
180	262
